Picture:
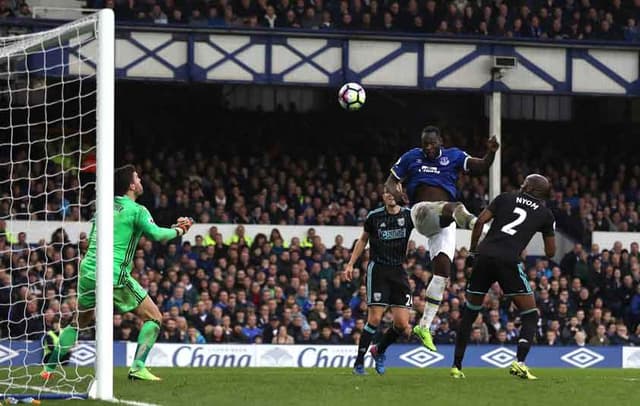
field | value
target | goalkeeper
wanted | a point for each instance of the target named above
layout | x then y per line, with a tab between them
130	221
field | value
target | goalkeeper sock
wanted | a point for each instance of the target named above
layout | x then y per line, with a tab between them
365	339
147	337
435	291
469	314
389	337
66	341
529	320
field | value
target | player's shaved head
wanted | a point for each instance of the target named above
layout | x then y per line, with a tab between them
431	133
537	186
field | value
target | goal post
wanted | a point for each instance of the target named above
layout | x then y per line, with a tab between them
56	173
104	207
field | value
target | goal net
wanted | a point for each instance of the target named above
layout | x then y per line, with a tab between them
55	131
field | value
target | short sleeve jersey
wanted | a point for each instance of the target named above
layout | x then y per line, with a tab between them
517	217
388	235
415	168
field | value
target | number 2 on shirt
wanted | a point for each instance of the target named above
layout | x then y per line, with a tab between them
510	227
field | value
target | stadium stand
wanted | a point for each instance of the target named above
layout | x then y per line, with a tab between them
227	288
549	20
545	20
261	292
278	183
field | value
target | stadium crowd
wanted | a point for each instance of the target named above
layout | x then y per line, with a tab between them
237	289
304	189
549	19
614	20
228	288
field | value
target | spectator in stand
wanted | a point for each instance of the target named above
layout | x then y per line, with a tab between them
551	339
194	336
600	338
545	22
444	335
327	337
251	330
621	336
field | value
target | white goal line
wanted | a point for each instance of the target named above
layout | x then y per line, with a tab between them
73	395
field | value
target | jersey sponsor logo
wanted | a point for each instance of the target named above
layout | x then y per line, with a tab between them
444	161
392	234
401	221
527	202
429	169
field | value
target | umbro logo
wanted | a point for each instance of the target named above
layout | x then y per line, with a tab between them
582	358
83	354
6	354
500	357
421	357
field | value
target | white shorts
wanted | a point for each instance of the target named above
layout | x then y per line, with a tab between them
426	220
444	241
426	217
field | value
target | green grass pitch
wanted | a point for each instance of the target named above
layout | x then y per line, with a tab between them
399	387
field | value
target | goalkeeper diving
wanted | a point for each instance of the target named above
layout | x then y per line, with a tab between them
130	221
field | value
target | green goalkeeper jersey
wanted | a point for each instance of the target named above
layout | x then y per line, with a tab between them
130	221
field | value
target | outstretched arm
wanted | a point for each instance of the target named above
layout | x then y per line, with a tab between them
479	166
155	233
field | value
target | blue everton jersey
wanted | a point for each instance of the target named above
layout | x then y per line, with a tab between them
415	168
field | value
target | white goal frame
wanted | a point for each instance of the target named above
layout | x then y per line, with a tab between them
102	24
104	204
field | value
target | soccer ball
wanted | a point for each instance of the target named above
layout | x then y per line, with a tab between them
351	96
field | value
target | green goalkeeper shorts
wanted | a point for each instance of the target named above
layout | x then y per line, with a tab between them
126	297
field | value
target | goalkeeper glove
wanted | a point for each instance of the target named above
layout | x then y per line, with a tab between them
183	224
